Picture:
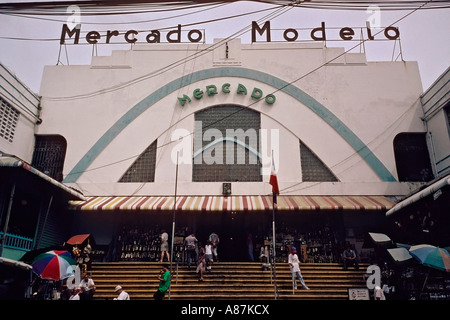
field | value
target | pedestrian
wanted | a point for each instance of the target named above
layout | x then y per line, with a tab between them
250	247
201	263
164	283
295	269
378	293
190	244
208	255
123	295
214	238
349	258
75	294
87	287
164	246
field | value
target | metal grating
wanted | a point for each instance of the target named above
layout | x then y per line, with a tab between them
49	154
242	165
313	169
143	169
8	120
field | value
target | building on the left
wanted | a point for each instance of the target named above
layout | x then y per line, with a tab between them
30	197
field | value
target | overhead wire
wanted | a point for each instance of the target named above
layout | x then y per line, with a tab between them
120	7
279	89
281	10
355	5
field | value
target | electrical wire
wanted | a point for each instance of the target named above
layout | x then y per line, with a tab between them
131	7
348	5
292	82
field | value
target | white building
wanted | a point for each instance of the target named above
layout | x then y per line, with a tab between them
339	127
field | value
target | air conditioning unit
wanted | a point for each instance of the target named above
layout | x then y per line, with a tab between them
226	188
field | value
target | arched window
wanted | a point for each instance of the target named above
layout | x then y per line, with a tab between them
143	169
313	169
226	145
49	154
412	157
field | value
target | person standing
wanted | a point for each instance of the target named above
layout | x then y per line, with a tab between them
250	247
164	246
295	269
190	244
123	295
214	238
208	255
164	283
201	263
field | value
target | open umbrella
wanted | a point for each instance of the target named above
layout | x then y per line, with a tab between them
54	265
431	256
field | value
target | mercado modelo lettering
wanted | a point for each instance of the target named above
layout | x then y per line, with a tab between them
212	90
195	35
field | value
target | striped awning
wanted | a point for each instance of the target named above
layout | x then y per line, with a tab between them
232	203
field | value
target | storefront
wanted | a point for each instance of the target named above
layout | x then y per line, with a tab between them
319	225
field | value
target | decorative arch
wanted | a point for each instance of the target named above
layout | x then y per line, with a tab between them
345	132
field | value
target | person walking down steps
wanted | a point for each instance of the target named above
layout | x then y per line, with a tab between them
295	269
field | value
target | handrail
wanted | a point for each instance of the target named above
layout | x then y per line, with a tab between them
14	241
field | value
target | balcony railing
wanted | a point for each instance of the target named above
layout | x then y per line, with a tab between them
17	242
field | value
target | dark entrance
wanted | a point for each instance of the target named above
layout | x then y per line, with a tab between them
233	229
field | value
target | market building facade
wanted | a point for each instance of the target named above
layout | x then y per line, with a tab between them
204	126
205	130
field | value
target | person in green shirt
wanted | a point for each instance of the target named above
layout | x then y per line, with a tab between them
164	283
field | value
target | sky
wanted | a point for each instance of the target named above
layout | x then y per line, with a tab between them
28	43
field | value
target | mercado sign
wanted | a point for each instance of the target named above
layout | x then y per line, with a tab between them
212	90
195	35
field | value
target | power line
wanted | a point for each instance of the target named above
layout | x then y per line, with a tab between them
123	7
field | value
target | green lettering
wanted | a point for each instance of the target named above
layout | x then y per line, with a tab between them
270	99
241	89
184	99
198	94
226	88
257	93
211	89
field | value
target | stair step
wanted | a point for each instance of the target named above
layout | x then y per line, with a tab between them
228	280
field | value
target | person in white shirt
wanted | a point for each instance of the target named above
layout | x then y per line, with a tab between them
378	293
295	269
87	287
75	294
123	295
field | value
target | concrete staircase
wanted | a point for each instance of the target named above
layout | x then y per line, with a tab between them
226	281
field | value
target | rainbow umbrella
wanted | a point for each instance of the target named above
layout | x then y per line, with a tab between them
54	265
431	256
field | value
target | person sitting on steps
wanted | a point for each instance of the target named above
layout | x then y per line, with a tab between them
349	258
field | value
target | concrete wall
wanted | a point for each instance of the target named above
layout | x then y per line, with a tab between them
22	99
345	109
434	100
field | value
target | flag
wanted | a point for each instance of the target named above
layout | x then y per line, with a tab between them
273	180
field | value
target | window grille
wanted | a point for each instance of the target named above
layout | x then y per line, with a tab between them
49	154
243	127
313	169
143	169
8	121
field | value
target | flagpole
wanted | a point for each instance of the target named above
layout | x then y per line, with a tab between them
275	190
274	246
173	221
